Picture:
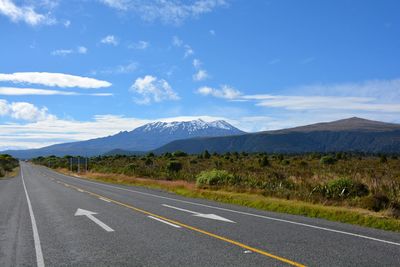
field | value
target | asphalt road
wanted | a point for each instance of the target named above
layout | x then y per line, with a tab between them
50	219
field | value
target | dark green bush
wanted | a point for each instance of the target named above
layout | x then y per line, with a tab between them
327	160
179	154
264	162
376	202
206	154
174	166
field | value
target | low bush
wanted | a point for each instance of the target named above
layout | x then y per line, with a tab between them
216	177
327	160
376	202
174	166
344	188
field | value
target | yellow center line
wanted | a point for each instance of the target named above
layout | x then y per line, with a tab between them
233	242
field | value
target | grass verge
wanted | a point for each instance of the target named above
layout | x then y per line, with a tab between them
354	216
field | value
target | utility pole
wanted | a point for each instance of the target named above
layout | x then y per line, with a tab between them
70	163
79	164
86	164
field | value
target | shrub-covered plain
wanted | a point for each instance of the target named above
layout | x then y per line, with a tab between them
338	179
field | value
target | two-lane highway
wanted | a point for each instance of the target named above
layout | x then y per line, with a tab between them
52	219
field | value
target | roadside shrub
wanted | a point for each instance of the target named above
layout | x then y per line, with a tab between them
394	210
129	169
264	162
174	166
216	177
179	154
376	202
148	162
206	154
327	160
344	188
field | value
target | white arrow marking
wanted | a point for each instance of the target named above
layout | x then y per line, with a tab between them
89	214
171	224
202	215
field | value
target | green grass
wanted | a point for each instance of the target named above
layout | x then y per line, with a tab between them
354	216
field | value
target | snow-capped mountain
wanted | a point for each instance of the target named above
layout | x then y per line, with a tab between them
191	128
145	138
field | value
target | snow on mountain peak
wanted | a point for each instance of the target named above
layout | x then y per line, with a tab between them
190	126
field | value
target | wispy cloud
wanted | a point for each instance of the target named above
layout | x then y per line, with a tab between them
66	52
17	91
140	45
53	79
188	51
120	69
364	101
110	40
25	14
176	41
225	91
151	89
167	11
200	75
196	63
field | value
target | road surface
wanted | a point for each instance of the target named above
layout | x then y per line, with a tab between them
50	219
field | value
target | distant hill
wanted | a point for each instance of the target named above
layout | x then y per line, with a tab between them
144	138
354	134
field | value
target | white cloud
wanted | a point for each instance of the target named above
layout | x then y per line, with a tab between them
120	69
167	11
67	23
24	111
196	63
62	52
17	91
176	41
212	32
188	51
152	89
110	40
224	92
140	45
66	52
82	50
365	96
117	4
31	91
53	79
26	14
201	75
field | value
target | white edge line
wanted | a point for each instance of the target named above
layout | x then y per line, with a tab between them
38	247
241	212
157	219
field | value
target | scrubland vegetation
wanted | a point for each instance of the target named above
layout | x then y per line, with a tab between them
7	164
368	182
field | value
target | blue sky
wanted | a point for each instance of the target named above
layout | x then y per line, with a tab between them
73	70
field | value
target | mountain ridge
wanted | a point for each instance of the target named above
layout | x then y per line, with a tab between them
144	138
352	134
